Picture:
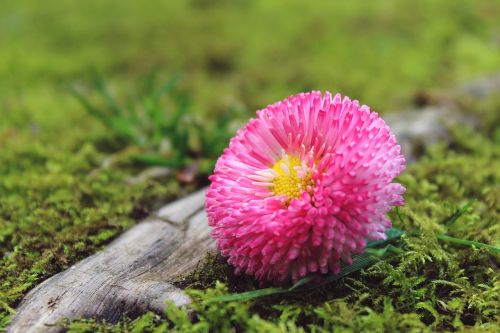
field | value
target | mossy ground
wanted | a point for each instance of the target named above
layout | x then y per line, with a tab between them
431	286
58	204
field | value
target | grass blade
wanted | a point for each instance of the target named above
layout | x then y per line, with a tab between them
400	217
91	109
364	260
110	101
248	295
461	211
302	282
165	88
460	241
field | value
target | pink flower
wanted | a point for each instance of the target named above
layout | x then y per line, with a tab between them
303	186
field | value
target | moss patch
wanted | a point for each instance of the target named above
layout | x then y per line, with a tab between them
58	205
56	210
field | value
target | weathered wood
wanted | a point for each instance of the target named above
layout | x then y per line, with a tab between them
177	212
416	129
420	127
132	275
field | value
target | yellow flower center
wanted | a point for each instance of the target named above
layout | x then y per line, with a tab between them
293	177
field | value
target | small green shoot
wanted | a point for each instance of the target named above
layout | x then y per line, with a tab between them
461	211
159	122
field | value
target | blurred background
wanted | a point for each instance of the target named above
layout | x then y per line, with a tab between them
109	107
253	52
231	57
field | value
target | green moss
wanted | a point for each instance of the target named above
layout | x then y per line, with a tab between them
338	316
55	210
58	204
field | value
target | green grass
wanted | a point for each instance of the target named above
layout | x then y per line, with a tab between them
159	125
65	171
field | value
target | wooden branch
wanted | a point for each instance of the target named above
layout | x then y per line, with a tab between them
132	275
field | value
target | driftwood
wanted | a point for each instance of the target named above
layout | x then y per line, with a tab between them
132	275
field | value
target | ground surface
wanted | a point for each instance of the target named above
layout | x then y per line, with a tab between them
68	180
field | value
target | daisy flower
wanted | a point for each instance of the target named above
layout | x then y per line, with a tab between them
304	186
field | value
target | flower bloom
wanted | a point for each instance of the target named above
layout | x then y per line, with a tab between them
303	186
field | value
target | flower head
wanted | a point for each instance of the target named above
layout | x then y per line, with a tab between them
303	186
